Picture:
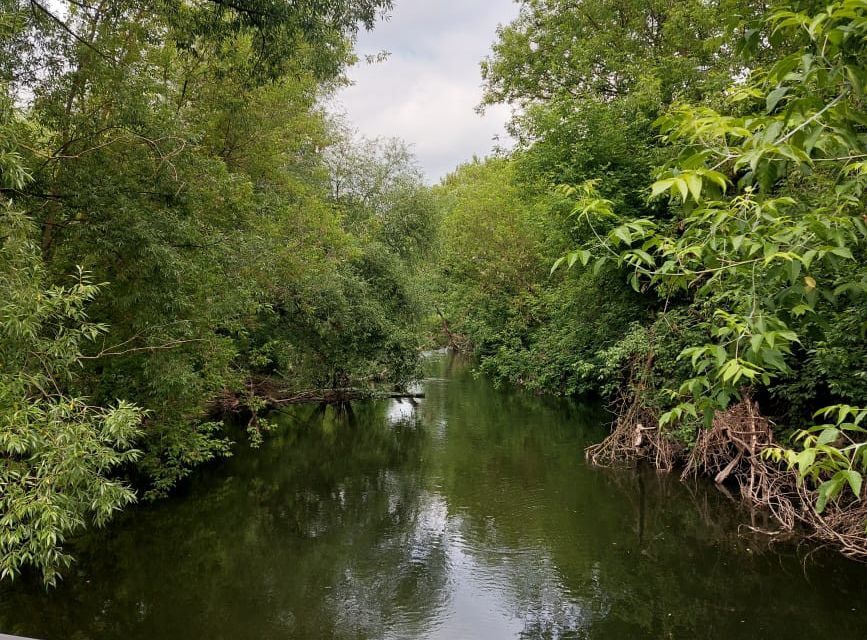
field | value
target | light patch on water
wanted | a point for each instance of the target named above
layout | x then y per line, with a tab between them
400	411
515	594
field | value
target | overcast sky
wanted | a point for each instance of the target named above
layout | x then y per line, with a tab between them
428	89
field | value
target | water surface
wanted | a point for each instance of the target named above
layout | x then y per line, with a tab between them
470	514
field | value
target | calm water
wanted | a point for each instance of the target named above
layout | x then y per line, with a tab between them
470	515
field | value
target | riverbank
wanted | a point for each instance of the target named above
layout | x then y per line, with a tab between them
739	451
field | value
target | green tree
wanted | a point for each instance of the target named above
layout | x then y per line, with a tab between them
59	455
177	153
768	233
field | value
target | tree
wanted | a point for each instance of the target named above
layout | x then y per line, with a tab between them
768	233
175	152
59	456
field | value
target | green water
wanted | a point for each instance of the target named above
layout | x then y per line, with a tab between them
470	515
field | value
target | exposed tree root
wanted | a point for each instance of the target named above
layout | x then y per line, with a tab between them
843	526
635	435
730	453
633	439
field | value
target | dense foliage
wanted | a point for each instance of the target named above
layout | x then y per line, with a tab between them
499	239
183	228
584	111
704	181
768	233
176	159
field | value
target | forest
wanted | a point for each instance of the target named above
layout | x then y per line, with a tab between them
190	239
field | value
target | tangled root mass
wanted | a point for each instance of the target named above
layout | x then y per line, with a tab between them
731	452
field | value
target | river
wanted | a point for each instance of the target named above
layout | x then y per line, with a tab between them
469	514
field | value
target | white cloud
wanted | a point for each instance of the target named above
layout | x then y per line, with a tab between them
428	89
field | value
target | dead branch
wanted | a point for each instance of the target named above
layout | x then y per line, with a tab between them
274	396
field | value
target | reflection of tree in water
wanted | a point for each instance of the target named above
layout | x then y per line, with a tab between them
471	511
495	470
580	552
315	534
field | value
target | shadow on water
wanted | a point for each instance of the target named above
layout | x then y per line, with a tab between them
469	514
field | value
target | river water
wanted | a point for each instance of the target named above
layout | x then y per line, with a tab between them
469	514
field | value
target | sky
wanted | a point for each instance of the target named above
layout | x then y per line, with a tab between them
427	91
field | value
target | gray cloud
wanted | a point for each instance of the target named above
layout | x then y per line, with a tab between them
428	89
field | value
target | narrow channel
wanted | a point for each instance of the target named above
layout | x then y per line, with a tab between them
469	514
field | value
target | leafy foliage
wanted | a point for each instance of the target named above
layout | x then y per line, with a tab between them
768	231
833	455
494	285
180	154
716	158
58	454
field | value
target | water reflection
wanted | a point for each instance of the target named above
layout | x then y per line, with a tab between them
469	514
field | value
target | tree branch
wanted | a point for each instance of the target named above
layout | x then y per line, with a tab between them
38	7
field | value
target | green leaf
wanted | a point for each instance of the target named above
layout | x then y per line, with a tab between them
558	264
843	252
805	460
622	233
828	436
694	183
598	265
660	187
794	270
645	257
828	491
717	178
682	187
774	358
756	342
774	98
855	481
